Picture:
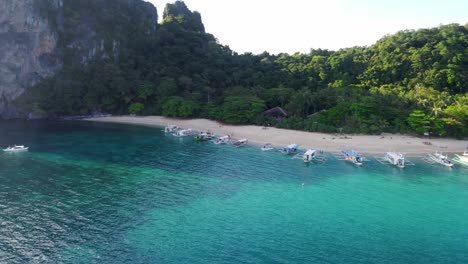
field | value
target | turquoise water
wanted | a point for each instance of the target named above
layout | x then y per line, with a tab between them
101	193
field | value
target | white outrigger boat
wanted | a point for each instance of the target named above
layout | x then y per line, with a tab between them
395	158
183	133
171	128
267	147
351	155
290	149
462	158
16	148
222	140
309	155
204	136
441	159
240	142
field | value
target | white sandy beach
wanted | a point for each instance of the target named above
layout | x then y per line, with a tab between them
280	137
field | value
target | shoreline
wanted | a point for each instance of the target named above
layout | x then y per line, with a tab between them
278	137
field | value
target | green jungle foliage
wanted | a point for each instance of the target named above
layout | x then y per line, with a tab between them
412	81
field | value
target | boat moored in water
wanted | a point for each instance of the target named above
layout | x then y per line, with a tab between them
441	159
183	133
351	155
240	142
16	148
204	136
222	140
463	158
290	149
309	155
171	128
395	158
267	146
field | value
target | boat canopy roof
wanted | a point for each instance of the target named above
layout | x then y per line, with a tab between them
310	152
395	155
293	146
440	155
350	153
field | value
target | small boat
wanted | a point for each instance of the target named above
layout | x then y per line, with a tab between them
309	155
222	140
352	156
16	148
290	149
204	136
240	142
267	147
171	128
395	158
441	159
463	158
183	133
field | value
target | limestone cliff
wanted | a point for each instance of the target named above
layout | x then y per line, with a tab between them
27	46
39	37
188	19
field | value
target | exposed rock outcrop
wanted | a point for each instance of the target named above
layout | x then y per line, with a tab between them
39	37
27	47
188	19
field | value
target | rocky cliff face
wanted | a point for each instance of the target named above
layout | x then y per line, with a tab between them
27	47
39	37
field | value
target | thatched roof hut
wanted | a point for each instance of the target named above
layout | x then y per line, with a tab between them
276	112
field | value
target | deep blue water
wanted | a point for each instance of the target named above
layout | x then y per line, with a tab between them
103	193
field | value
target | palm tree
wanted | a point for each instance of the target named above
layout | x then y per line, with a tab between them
422	101
436	109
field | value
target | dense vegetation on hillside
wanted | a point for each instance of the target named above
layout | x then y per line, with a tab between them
413	81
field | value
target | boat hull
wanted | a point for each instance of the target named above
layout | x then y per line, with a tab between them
240	143
15	150
352	157
442	161
355	162
398	162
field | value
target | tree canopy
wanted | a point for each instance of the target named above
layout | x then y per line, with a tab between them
412	81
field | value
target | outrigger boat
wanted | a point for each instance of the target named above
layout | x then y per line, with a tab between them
240	142
441	159
183	133
171	128
204	136
352	156
395	158
222	140
290	149
267	146
16	148
309	155
463	158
